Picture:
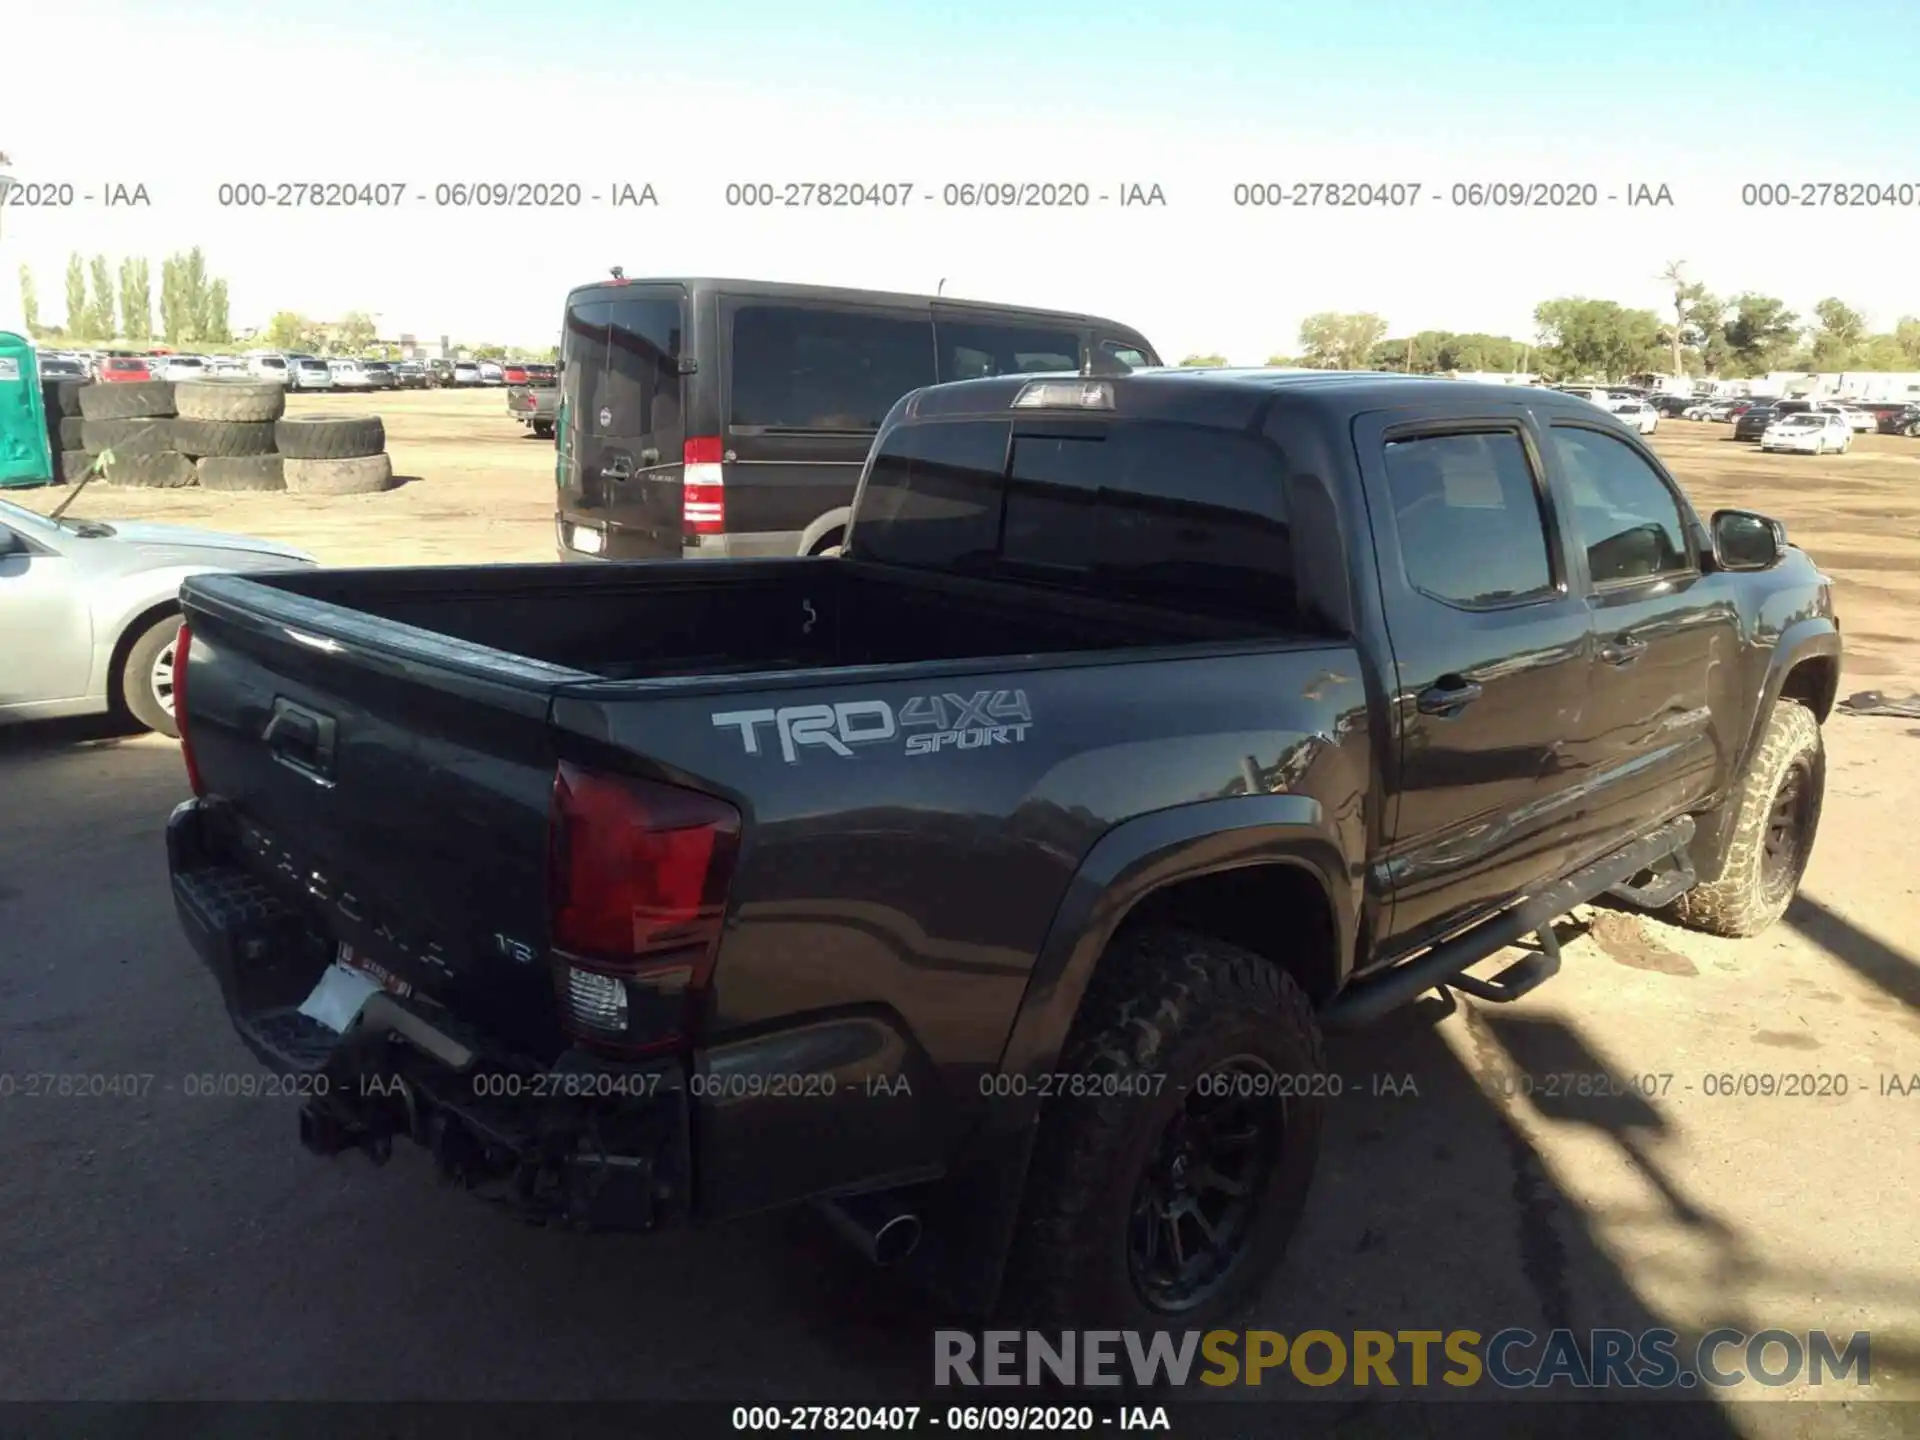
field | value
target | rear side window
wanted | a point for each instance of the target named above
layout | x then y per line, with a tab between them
798	368
1180	516
1467	511
583	351
642	386
974	351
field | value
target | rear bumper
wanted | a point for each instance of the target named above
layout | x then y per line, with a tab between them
581	1142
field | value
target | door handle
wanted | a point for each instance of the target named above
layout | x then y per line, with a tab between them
1622	650
1449	695
301	739
620	469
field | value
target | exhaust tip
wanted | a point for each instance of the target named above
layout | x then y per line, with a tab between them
896	1240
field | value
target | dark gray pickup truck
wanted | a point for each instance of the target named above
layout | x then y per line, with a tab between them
991	884
536	404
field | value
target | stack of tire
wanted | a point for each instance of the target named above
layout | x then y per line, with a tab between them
61	401
221	435
334	454
136	422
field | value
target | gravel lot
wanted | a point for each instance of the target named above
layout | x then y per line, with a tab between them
173	1246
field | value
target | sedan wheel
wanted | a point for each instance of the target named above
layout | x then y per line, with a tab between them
160	678
147	682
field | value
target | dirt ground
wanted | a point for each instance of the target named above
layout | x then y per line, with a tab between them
1702	1193
477	487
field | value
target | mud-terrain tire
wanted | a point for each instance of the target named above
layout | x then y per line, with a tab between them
330	437
1776	816
146	677
201	438
247	402
62	397
1171	1019
74	465
360	475
134	400
167	471
242	472
70	433
127	437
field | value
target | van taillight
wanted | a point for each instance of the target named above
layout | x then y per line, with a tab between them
180	647
703	498
639	873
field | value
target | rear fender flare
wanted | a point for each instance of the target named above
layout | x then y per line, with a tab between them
819	530
1129	863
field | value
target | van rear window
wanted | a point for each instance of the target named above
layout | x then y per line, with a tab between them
1186	517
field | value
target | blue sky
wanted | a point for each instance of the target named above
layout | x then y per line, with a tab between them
1194	97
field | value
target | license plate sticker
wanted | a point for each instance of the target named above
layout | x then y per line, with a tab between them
388	981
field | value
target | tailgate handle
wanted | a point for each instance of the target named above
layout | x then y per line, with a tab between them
301	739
620	469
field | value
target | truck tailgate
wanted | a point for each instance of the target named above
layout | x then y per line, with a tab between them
397	781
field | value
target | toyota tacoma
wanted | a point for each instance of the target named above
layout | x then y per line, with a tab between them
989	886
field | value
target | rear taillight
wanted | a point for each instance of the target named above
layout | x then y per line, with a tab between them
703	496
639	877
180	647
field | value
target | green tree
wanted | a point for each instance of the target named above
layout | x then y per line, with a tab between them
29	302
193	294
1704	332
289	331
1335	341
173	308
1204	362
354	333
1581	337
136	300
1760	333
1906	336
215	328
1693	335
1839	333
105	311
79	313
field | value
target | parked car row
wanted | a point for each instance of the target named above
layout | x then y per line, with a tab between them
294	370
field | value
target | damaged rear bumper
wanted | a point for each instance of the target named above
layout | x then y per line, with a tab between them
582	1142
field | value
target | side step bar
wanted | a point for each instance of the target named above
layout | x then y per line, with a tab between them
1367	1000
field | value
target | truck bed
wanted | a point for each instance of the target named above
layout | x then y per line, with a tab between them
649	620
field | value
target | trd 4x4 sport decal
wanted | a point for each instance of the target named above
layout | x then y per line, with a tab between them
925	725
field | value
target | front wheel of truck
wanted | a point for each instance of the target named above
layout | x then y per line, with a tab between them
1776	815
1177	1142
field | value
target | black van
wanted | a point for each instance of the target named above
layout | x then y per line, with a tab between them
731	417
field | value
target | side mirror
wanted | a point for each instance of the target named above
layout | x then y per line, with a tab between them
1743	540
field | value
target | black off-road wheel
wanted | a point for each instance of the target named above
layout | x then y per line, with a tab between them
1776	816
1165	1193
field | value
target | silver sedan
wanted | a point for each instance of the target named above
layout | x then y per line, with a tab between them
89	610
